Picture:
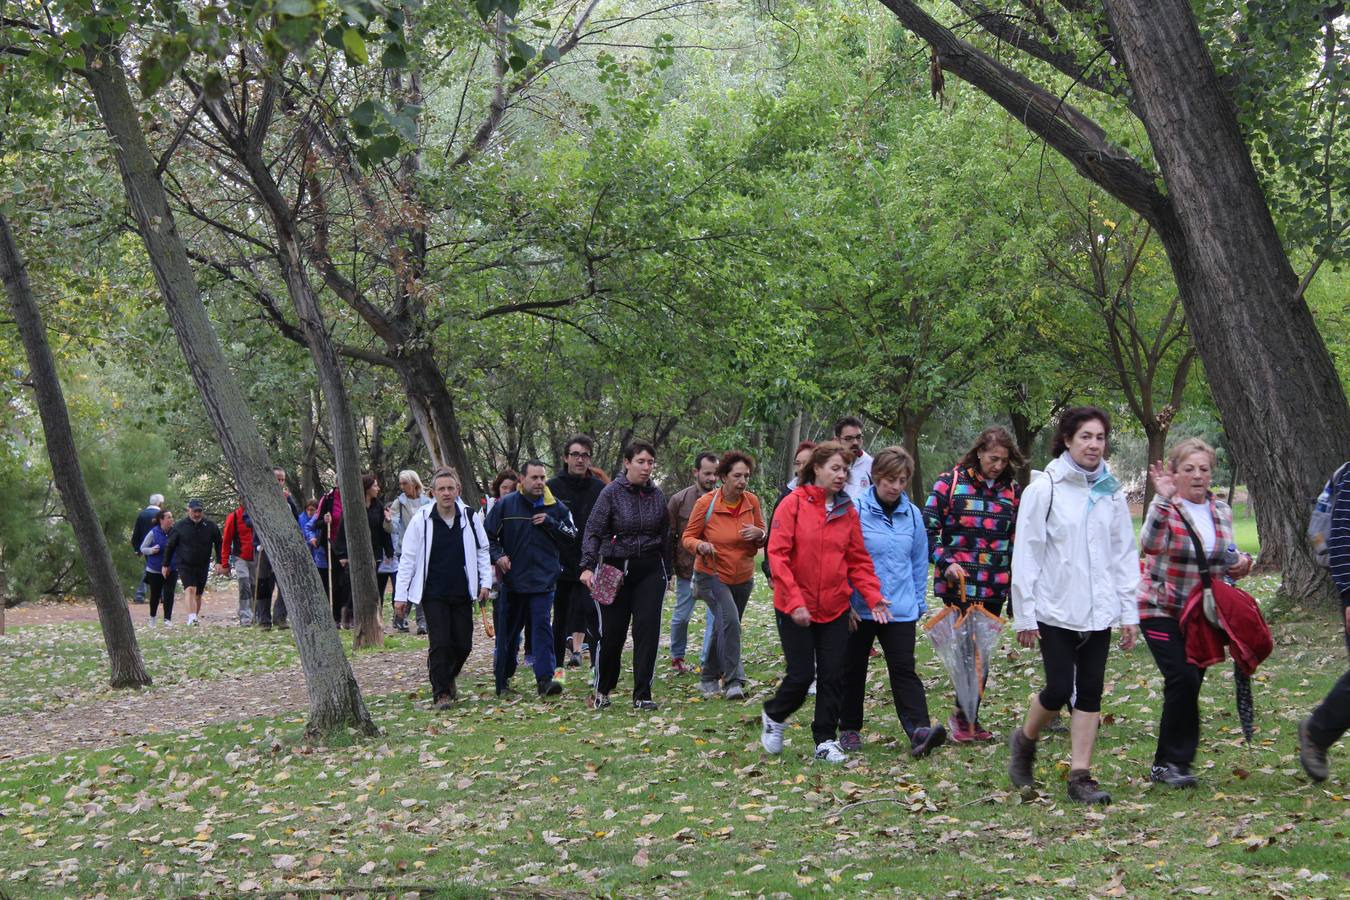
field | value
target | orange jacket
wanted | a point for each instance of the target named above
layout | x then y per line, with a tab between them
817	559
735	559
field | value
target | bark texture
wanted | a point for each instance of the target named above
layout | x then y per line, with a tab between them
334	698
126	668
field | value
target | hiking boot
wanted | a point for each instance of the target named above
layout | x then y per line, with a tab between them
600	701
830	752
574	660
771	738
850	740
679	667
646	705
736	691
550	689
421	630
1058	725
1174	776
978	733
709	689
925	740
1022	759
1313	757
960	729
1083	788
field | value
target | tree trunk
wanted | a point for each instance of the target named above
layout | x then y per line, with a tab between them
1274	383
434	410
794	438
309	458
334	697
119	636
1157	442
912	430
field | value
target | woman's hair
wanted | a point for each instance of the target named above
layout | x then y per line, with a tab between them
636	447
410	476
160	514
892	462
502	476
1183	449
730	458
820	455
367	480
1073	419
993	436
804	445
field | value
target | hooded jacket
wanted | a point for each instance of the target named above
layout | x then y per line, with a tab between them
816	555
898	545
535	551
1075	563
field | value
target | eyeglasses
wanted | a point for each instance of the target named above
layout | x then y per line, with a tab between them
575	455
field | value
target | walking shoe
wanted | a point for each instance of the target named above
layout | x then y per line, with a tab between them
550	689
925	740
1174	775
420	630
600	701
153	623
709	689
1313	757
646	705
771	738
960	729
830	752
678	666
1058	725
1083	788
169	623
192	618
850	740
442	702
978	733
574	660
1022	759
736	691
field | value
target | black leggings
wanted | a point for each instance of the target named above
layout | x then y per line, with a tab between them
161	588
1075	667
1179	728
639	602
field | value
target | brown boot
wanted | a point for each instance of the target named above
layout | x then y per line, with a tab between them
1084	789
1022	759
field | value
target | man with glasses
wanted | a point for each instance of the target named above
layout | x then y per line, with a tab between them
573	610
849	432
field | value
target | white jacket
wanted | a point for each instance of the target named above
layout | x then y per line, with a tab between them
416	551
1075	563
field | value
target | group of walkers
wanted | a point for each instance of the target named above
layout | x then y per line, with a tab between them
575	563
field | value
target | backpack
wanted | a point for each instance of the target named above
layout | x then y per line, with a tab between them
1319	524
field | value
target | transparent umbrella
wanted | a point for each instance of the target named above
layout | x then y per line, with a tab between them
966	640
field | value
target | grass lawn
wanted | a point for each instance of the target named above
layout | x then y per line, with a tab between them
537	796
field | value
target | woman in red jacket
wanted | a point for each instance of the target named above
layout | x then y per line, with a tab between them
817	557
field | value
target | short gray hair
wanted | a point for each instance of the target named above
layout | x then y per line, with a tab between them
410	476
156	499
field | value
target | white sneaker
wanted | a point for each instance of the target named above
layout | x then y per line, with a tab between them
192	619
169	623
153	623
771	738
830	752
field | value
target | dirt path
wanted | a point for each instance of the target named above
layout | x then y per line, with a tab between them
194	705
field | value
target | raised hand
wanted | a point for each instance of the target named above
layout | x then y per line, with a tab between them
1164	482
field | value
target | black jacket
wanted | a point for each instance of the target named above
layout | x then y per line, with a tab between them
194	543
579	495
144	522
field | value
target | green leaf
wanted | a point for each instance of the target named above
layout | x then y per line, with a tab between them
552	53
394	57
363	115
151	76
355	47
295	7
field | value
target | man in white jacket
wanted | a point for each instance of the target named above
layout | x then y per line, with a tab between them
1075	571
444	565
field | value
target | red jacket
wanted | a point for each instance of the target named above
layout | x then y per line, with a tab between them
236	529
1244	630
817	560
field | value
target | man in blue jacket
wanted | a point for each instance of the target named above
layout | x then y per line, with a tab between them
145	520
527	531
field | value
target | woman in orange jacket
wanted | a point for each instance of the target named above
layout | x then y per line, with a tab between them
725	530
817	557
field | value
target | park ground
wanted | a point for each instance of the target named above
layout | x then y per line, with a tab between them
201	785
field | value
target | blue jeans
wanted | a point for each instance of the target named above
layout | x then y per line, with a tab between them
534	610
679	621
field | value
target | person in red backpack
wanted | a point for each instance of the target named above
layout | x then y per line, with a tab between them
1182	497
818	558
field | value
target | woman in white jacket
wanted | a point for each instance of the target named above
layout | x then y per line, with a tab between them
1075	572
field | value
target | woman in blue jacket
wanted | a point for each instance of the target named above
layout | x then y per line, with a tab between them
895	537
158	560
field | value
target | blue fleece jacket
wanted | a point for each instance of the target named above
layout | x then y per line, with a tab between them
535	551
898	545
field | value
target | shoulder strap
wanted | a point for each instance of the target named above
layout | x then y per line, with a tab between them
707	516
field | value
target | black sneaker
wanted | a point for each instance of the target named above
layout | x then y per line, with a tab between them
925	740
646	705
550	689
1174	776
600	701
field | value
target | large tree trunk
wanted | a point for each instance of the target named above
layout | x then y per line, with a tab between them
119	636
434	410
911	429
312	488
1157	443
334	697
1283	405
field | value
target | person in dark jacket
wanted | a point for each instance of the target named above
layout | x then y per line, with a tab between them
573	611
1331	719
194	543
145	520
526	531
154	547
629	529
381	542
